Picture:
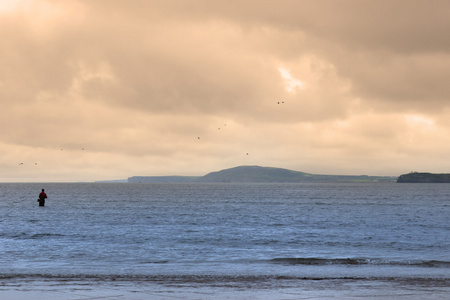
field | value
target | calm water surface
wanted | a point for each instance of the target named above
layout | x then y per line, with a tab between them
257	238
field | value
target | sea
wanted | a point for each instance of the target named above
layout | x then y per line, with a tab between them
225	241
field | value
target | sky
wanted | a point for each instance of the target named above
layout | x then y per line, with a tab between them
108	89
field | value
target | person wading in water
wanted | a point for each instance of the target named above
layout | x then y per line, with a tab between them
42	197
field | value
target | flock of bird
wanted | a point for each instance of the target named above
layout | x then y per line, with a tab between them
225	125
21	163
279	102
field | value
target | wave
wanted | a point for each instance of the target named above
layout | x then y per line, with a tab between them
36	236
359	261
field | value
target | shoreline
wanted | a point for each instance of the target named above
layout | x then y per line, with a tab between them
234	287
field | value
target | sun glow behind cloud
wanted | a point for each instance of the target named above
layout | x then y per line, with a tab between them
291	84
10	6
420	121
43	17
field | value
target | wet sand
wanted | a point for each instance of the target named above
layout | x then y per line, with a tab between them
80	289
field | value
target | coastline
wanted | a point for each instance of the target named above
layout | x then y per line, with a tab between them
209	287
239	287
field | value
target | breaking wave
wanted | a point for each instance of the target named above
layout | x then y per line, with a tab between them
359	261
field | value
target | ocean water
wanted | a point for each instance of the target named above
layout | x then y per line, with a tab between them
234	241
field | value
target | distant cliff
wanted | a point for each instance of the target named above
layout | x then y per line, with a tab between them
162	179
416	177
259	174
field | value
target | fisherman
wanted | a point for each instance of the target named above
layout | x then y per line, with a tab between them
42	197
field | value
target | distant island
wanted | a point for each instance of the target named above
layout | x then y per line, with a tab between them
257	174
416	177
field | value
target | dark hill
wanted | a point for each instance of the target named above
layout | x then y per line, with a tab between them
416	177
268	174
254	174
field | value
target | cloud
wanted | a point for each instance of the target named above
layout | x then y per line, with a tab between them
361	85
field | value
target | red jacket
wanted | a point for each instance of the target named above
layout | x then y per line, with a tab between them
42	195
